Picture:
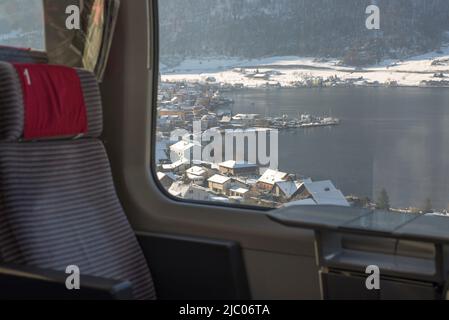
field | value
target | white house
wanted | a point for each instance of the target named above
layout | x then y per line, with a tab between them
176	167
189	192
161	149
197	174
246	119
238	168
238	192
270	178
219	184
286	189
322	193
181	150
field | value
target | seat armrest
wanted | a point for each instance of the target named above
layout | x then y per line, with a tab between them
25	282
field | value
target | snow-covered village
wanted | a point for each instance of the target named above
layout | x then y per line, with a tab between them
233	180
240	178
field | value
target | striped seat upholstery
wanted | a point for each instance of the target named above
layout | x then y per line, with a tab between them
58	204
11	104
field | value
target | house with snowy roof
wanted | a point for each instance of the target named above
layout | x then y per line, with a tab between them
166	179
181	150
320	193
219	184
269	179
238	168
176	167
238	192
197	174
189	191
286	190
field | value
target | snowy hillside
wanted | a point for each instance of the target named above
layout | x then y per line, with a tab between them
289	71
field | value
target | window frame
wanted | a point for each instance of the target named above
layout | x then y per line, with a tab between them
128	140
154	62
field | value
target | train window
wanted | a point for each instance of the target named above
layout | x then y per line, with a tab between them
272	103
22	24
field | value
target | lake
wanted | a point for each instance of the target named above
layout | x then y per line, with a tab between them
392	138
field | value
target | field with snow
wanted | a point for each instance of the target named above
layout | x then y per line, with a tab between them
291	70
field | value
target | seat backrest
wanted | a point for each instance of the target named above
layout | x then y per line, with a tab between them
58	204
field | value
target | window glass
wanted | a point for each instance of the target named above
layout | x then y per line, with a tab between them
22	24
305	102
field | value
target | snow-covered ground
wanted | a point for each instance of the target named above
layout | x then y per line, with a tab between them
288	71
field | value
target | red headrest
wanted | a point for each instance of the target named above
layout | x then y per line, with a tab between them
53	101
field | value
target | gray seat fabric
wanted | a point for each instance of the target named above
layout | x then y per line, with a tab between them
58	204
92	97
11	104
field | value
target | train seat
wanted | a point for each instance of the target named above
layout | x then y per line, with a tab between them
58	204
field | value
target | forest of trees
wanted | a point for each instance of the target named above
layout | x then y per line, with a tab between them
334	28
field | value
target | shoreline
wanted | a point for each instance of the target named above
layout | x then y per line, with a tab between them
231	87
427	70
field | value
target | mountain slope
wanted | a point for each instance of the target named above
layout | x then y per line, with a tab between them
260	28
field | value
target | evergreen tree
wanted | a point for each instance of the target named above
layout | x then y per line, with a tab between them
428	206
383	201
365	202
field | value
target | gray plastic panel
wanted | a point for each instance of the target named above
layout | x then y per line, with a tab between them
428	228
381	221
313	217
361	221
